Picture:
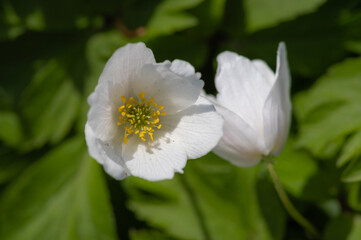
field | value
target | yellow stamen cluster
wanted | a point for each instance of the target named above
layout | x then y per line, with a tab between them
140	116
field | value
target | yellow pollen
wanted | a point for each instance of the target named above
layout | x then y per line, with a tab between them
125	138
139	116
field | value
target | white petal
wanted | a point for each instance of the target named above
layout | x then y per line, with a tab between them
277	108
154	161
242	88
191	133
240	144
96	151
183	68
197	129
103	114
169	89
264	69
126	62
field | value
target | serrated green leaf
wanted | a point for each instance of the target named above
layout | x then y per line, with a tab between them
62	196
324	128
345	227
212	200
353	171
261	14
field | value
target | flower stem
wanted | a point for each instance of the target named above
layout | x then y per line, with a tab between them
287	203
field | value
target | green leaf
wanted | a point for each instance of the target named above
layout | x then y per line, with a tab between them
213	199
148	234
11	164
345	227
10	128
62	196
262	14
330	110
295	168
54	105
354	195
169	17
351	149
353	171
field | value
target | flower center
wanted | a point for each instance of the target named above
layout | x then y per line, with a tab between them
139	117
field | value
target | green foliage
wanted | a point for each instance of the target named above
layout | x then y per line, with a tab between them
330	114
265	13
51	57
62	196
212	199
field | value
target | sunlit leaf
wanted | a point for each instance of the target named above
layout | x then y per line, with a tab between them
295	168
351	149
266	13
62	196
213	199
169	17
353	171
330	110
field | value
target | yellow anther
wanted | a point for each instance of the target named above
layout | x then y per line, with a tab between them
125	138
139	116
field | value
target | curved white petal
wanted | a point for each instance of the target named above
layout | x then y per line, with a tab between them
191	133
103	114
264	69
126	62
242	88
173	91
277	108
183	68
240	144
96	151
197	129
156	160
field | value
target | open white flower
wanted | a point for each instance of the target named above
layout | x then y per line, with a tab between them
146	118
256	107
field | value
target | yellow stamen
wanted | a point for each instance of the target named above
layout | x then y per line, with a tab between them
139	116
125	138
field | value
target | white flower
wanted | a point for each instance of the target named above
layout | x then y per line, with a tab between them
146	118
256	107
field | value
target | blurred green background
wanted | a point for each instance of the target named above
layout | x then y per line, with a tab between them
51	55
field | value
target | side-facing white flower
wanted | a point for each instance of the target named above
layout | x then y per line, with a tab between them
146	118
256	107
